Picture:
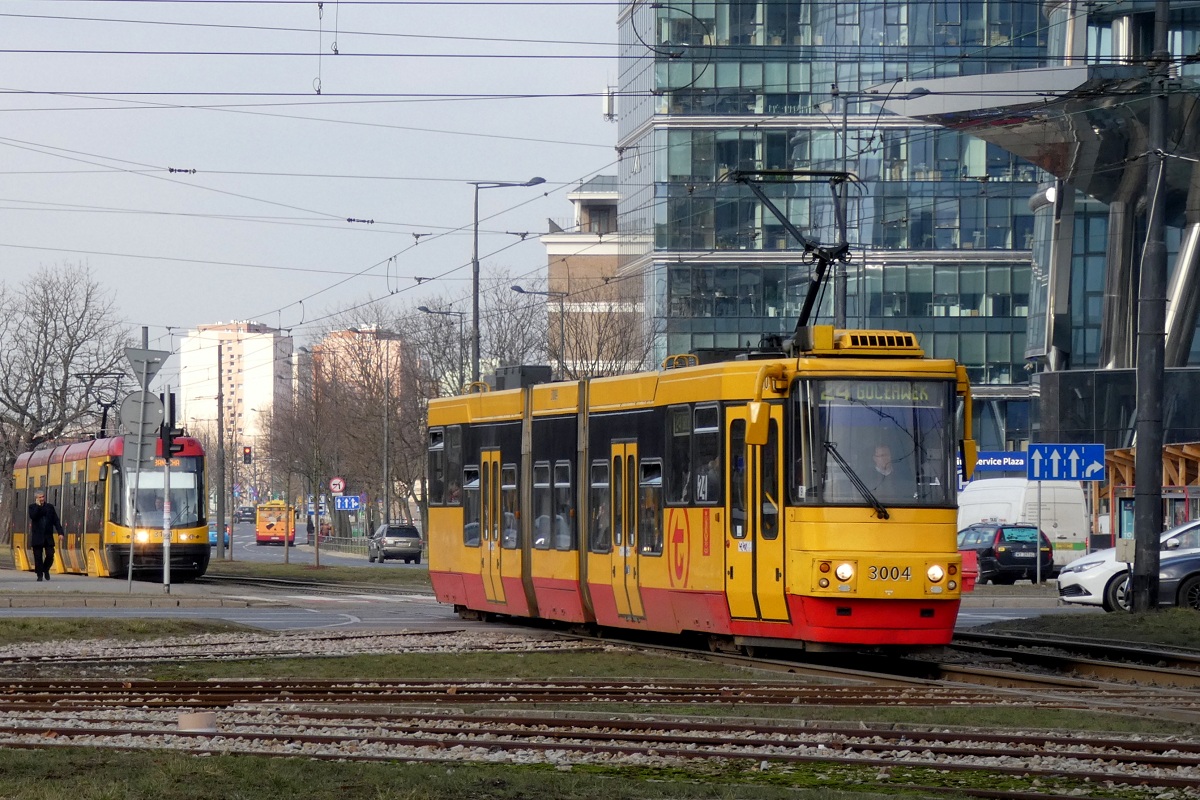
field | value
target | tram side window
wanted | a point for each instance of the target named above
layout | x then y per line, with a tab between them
116	496
508	505
738	522
706	455
471	506
454	464
770	483
600	501
437	467
679	455
543	518
564	505
650	538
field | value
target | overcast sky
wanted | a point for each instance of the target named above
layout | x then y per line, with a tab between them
102	100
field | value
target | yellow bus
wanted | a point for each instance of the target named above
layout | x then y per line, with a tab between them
275	523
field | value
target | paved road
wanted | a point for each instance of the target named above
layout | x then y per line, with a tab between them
245	548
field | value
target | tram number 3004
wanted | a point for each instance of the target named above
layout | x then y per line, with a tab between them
890	573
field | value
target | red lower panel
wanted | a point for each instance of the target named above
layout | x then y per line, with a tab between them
466	589
830	620
560	600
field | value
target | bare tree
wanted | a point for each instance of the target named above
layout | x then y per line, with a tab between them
512	325
602	332
60	340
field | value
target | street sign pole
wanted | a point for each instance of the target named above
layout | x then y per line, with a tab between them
1038	549
146	364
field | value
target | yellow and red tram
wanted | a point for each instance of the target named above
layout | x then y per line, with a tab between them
90	484
738	499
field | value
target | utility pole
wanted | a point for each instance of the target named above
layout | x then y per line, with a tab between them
1151	345
221	460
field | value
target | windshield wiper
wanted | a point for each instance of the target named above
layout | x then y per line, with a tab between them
880	511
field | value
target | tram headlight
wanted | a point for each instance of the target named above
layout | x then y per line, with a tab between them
844	572
952	585
142	536
935	573
823	583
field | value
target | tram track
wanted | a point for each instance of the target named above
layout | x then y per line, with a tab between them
363	721
311	587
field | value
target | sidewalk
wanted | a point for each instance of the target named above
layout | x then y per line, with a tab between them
22	590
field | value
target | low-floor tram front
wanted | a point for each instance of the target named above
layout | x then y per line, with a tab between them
90	485
739	499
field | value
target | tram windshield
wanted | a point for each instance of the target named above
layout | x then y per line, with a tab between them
879	443
187	493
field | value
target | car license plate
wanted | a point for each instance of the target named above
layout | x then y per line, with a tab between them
1023	555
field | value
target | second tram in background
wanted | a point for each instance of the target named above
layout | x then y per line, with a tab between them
803	501
90	483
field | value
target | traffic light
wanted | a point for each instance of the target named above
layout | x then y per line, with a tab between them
168	435
247	454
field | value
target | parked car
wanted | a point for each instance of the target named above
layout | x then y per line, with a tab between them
395	541
1178	582
244	514
1099	579
1007	552
212	533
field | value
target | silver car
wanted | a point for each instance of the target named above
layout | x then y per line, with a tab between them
395	541
1098	579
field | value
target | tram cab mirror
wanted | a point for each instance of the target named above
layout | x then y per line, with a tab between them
104	472
969	457
758	417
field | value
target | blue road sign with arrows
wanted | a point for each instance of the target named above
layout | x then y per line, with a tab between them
1065	462
349	502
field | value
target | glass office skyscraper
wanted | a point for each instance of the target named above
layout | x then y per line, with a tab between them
939	223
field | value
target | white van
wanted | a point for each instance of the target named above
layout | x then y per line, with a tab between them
1065	519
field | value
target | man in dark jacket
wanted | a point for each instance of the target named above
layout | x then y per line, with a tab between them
43	522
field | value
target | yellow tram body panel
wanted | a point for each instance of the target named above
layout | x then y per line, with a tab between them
745	553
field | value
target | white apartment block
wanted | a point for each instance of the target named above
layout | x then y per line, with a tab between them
254	375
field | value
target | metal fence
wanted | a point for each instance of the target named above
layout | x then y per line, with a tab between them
343	544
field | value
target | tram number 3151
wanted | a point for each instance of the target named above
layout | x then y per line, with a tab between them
890	573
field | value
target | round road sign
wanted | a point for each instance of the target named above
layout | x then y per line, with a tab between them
337	485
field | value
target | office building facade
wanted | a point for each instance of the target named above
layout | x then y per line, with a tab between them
939	223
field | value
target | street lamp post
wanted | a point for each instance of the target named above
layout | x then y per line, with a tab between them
475	264
562	341
385	336
460	315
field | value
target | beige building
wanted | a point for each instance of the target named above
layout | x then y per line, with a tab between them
597	315
247	363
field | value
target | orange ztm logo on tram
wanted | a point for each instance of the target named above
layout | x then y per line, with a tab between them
679	546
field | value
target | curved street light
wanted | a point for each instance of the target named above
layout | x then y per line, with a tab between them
562	342
461	315
475	263
384	335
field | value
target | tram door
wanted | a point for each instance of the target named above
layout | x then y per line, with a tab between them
491	524
754	547
626	578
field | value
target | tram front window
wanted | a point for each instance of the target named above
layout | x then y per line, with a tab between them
870	442
187	508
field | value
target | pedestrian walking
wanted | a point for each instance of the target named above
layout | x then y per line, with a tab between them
43	523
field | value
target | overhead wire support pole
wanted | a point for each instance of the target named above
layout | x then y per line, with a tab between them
822	255
1151	344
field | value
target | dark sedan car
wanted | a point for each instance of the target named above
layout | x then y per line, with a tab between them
395	541
1007	551
1178	582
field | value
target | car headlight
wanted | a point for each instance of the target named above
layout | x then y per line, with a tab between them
1080	567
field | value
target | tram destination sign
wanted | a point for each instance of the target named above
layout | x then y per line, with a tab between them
1065	462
